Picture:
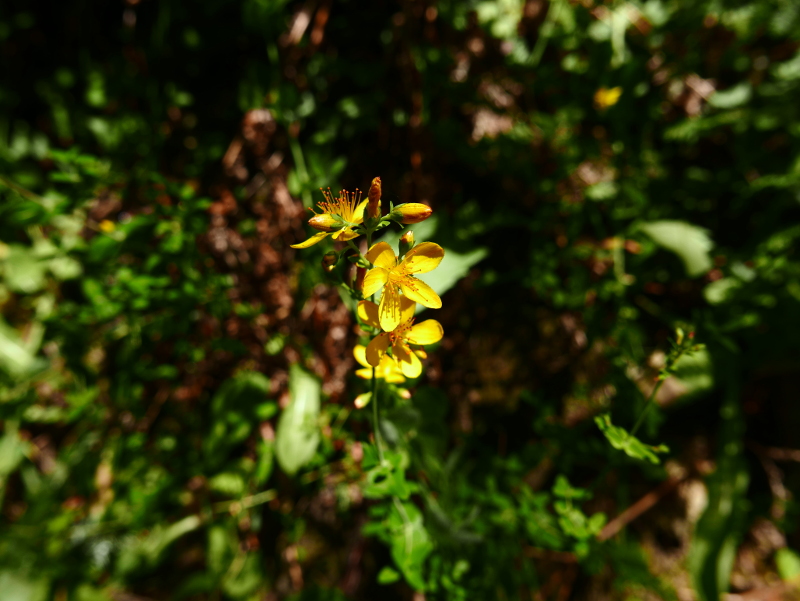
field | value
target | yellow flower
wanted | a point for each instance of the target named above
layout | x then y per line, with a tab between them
426	332
387	369
338	217
396	277
106	226
606	97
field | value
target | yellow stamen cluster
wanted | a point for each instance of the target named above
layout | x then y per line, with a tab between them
344	205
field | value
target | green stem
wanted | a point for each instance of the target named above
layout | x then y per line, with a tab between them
647	404
375	423
666	372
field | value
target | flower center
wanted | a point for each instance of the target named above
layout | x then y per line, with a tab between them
343	205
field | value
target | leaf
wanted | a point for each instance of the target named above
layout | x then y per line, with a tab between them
620	439
788	563
721	526
18	356
18	587
691	243
387	575
297	435
65	268
732	97
145	552
453	267
24	272
410	543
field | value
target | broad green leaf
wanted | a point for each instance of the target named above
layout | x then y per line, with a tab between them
732	97
410	543
15	586
23	270
620	439
297	435
453	267
788	563
691	243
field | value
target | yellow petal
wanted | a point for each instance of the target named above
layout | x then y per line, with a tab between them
345	234
360	353
410	364
376	349
382	255
368	313
373	281
423	258
389	309
311	241
390	371
364	373
407	309
419	291
427	332
358	214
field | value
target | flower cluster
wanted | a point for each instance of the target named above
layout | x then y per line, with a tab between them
394	352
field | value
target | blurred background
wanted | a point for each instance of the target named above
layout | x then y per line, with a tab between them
601	173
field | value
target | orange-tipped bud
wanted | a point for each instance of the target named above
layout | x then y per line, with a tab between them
406	242
374	205
325	222
411	212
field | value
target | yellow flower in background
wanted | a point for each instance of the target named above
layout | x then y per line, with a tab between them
387	369
426	332
396	278
606	97
106	226
338	217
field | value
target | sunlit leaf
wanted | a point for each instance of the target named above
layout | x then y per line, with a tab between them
298	435
691	243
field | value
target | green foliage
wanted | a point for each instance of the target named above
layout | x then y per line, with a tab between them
623	440
161	347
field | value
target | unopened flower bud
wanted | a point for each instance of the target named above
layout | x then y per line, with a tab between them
406	242
411	212
374	205
324	222
362	400
329	260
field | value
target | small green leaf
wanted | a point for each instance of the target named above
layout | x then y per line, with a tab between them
387	575
620	439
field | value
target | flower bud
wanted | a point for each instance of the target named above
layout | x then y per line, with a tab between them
411	212
362	400
329	260
374	205
325	222
406	242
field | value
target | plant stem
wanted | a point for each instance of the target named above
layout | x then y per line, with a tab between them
665	372
375	423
